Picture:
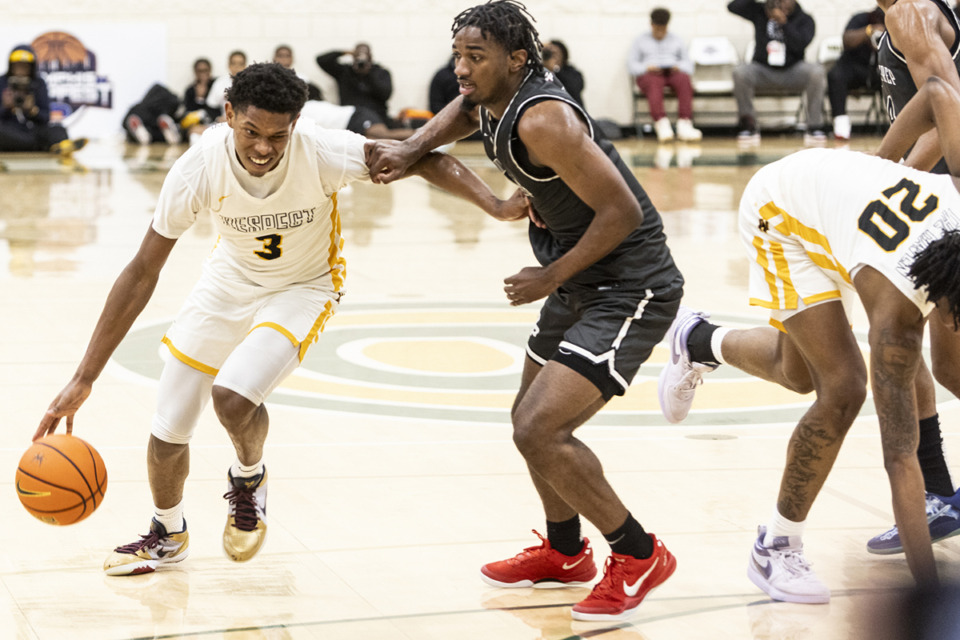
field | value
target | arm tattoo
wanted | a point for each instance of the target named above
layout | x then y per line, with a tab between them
893	364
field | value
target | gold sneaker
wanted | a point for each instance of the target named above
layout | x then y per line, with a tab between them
149	552
246	526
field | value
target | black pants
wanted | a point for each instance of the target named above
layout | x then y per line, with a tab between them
19	137
845	76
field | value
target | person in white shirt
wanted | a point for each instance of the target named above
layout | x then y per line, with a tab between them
269	180
659	59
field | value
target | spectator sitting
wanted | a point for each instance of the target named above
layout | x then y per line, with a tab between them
154	119
195	95
556	58
782	32
659	59
362	83
236	62
283	55
856	68
360	120
25	109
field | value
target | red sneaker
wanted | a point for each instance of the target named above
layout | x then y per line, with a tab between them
626	581
542	567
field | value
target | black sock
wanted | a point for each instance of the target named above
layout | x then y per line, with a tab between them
565	536
936	475
698	343
631	540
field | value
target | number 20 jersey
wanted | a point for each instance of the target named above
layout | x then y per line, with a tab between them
293	234
849	209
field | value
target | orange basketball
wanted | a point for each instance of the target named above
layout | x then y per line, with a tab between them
61	479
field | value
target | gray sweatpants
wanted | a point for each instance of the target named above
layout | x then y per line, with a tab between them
808	77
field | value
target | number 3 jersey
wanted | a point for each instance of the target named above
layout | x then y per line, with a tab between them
812	219
275	230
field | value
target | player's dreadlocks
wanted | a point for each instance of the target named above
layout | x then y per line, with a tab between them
937	268
509	23
268	86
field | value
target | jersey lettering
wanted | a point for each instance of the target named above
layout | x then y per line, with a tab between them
891	229
271	246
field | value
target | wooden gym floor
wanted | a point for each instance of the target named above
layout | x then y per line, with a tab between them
392	472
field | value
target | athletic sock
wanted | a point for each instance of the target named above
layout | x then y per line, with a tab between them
239	470
703	343
171	519
631	540
782	527
936	475
565	536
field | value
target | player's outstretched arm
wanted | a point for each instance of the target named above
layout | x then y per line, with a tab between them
389	162
127	298
449	174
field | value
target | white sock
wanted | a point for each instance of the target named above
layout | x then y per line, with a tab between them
239	470
780	526
171	519
716	340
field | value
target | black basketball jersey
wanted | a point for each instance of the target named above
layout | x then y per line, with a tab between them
896	83
641	261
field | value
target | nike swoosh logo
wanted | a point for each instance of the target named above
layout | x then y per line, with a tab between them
220	203
24	492
632	589
567	567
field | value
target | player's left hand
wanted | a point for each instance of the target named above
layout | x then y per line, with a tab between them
387	160
65	405
529	285
517	207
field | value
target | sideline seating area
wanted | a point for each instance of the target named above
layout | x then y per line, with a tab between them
714	58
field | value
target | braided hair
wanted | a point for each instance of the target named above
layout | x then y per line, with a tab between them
268	86
937	267
509	23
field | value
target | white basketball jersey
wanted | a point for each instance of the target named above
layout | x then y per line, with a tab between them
851	209
291	235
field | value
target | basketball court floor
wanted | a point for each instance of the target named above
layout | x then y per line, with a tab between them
393	476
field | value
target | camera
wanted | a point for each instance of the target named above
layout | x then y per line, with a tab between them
362	63
20	87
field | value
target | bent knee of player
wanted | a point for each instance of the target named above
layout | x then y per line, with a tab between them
232	407
176	432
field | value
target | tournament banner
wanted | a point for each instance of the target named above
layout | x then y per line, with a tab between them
94	72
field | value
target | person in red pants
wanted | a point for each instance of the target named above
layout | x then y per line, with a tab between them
659	59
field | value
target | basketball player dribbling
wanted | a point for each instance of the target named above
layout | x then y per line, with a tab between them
270	181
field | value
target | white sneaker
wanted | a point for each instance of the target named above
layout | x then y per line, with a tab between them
171	132
841	127
783	573
138	130
686	132
815	138
680	376
663	129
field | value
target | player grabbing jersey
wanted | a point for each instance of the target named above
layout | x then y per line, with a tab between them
611	290
275	277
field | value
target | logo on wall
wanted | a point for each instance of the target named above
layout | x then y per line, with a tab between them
70	71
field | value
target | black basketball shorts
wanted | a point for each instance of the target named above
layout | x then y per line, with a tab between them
604	335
